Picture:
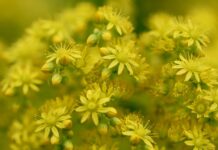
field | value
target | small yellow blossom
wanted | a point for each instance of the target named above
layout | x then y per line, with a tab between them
22	133
92	104
116	20
64	54
202	107
23	76
133	127
198	139
191	34
122	55
54	115
189	66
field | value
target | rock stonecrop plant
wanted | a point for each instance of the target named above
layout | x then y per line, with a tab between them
86	80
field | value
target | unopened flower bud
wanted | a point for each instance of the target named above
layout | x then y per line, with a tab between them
47	67
112	112
102	129
70	133
106	36
54	140
92	39
68	145
104	51
56	79
67	123
115	121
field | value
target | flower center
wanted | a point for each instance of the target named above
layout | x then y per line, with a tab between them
51	120
140	132
122	57
92	106
201	108
193	66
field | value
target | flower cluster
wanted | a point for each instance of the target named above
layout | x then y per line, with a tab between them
89	80
54	115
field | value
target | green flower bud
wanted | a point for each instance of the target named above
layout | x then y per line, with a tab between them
112	112
47	67
56	79
115	121
68	145
102	129
67	123
92	39
54	140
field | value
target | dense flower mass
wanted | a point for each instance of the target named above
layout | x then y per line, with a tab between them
102	78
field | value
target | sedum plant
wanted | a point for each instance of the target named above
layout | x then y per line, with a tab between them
86	80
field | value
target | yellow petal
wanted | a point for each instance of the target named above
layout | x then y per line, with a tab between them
110	26
55	131
188	76
95	118
120	68
85	116
113	64
182	71
129	68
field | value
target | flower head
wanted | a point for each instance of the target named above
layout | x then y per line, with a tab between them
190	66
137	131
198	138
190	34
22	133
92	104
122	55
202	107
116	20
54	115
64	54
21	76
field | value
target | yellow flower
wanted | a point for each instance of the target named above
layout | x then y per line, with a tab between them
23	76
22	134
141	72
211	95
202	107
116	20
198	139
121	55
209	77
133	127
190	66
54	115
26	49
107	89
92	104
64	54
191	34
